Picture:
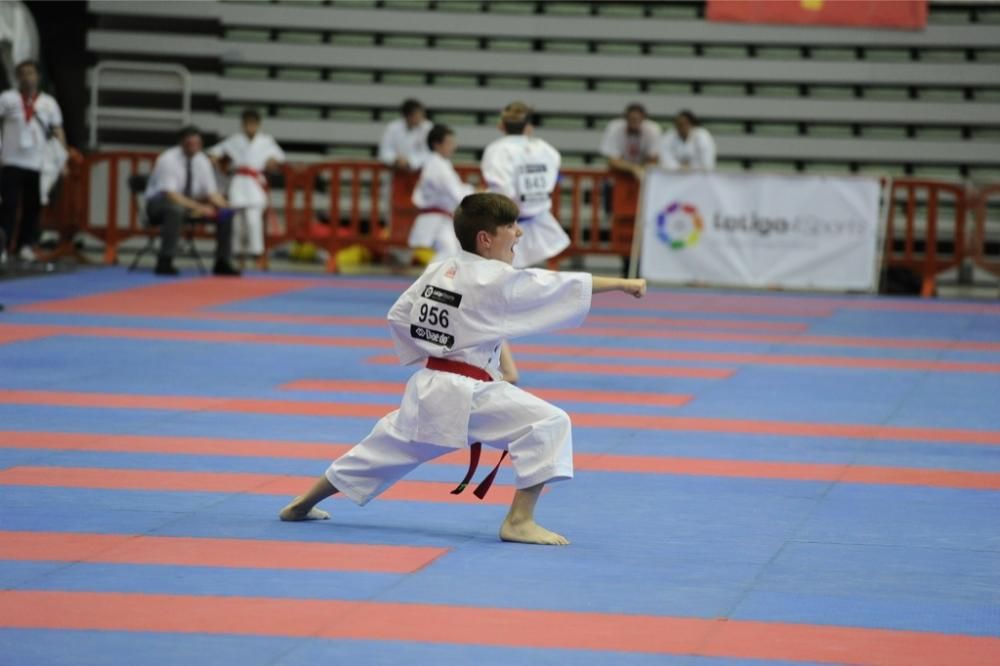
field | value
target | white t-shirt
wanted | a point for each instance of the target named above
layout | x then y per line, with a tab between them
246	190
524	168
440	185
697	153
637	148
24	142
398	140
170	173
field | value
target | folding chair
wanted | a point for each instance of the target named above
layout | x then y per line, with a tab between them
137	186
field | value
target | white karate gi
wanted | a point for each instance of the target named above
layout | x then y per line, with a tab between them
247	192
697	153
526	169
440	188
410	143
459	309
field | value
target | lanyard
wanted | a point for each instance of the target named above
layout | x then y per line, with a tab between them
29	106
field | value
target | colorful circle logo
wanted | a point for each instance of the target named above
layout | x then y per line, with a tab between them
679	225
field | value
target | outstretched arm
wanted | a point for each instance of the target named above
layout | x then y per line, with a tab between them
635	287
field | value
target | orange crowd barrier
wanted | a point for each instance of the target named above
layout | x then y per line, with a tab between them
979	250
340	204
920	251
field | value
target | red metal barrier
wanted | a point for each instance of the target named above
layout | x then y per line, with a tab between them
925	260
978	249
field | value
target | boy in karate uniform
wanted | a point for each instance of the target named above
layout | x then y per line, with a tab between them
451	321
437	194
526	169
250	153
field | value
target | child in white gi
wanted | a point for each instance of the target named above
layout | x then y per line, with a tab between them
451	320
437	194
526	169
251	153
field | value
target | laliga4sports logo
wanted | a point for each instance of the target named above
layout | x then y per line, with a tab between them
679	225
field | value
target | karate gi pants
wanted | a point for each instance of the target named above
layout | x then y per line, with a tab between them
537	435
248	231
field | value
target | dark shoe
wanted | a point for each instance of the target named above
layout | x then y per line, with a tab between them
224	268
165	266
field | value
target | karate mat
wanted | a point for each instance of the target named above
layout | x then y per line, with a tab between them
760	479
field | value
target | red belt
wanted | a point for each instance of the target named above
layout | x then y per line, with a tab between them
256	175
476	448
439	211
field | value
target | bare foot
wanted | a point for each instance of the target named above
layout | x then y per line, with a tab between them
294	513
530	532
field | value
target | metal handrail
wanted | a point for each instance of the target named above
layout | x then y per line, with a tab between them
182	73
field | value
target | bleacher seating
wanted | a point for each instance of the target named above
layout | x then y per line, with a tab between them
776	98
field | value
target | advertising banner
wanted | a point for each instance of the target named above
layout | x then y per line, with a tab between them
760	230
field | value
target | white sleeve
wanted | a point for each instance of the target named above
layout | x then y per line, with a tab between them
538	300
667	159
275	152
655	136
457	189
56	114
386	150
706	148
496	176
609	147
167	179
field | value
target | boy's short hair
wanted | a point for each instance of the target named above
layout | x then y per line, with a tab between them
410	106
437	135
186	131
250	114
515	117
635	106
483	211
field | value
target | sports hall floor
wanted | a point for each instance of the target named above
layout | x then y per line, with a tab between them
760	479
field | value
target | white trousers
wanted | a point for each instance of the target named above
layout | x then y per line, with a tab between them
248	231
537	435
437	232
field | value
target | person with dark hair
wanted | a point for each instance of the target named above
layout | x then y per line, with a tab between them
30	119
526	169
404	142
182	188
451	321
632	141
687	146
249	155
436	195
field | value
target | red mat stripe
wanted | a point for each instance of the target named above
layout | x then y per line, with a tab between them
625	421
427	623
589	462
252	484
210	552
29	332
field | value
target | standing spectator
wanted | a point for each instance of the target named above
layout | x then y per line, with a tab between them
30	119
404	142
250	154
687	146
437	195
182	188
631	142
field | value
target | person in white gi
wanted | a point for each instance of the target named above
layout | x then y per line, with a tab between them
250	154
631	142
438	193
526	169
451	321
404	141
32	121
687	146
